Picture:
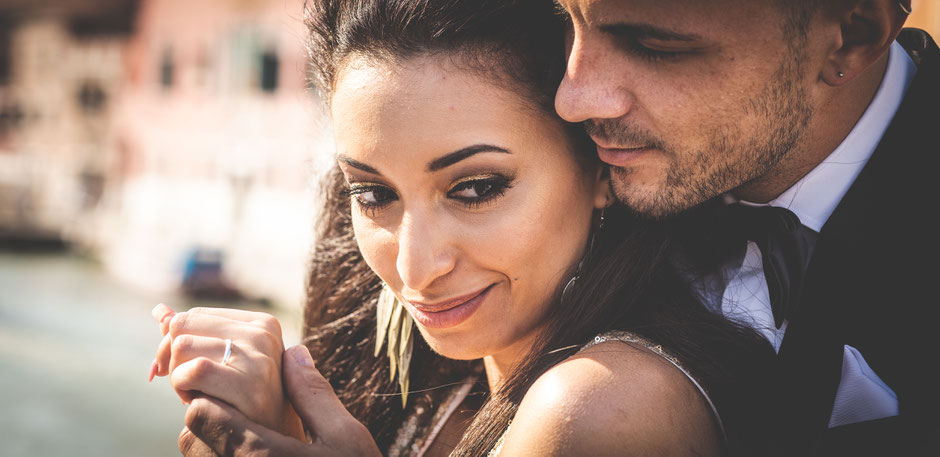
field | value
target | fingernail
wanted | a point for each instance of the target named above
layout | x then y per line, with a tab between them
153	370
161	312
302	356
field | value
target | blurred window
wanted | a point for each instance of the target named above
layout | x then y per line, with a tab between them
255	62
91	97
5	29
166	69
269	71
11	115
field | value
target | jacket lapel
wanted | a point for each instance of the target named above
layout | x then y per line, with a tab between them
862	287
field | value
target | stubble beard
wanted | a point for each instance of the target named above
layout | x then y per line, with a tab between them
731	157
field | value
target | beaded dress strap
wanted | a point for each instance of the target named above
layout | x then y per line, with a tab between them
637	340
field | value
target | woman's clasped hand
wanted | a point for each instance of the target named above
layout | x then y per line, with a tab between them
192	355
245	391
334	432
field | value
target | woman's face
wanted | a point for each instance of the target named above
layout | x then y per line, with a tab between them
468	202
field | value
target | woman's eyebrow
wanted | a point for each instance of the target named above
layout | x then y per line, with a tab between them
460	154
357	164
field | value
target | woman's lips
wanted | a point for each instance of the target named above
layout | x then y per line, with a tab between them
448	313
621	157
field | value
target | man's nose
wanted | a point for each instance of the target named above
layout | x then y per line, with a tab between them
591	88
425	251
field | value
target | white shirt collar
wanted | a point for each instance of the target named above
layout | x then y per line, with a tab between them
814	197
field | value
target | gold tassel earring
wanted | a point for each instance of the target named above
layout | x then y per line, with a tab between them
395	322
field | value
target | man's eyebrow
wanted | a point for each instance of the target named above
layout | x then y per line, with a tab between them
647	31
460	154
357	164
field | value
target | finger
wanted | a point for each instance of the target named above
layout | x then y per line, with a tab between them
201	324
313	398
258	339
234	314
191	446
218	380
256	335
263	320
229	433
153	370
162	314
162	360
256	390
188	347
228	384
204	324
174	352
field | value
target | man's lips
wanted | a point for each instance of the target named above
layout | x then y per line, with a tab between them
602	143
621	157
445	305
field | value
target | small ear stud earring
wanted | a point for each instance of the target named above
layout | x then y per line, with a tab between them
840	74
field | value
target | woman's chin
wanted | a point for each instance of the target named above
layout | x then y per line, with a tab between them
455	346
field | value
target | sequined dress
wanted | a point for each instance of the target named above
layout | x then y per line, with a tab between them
637	341
408	444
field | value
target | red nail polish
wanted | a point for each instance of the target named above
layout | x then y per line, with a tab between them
153	370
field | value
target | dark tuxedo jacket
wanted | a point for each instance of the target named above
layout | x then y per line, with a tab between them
872	284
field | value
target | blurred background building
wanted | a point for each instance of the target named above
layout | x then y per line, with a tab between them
925	15
162	136
150	150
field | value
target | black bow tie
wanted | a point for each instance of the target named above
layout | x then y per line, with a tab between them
785	246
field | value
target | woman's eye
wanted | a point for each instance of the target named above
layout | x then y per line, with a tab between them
473	190
477	191
372	197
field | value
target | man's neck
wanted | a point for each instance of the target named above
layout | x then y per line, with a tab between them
832	121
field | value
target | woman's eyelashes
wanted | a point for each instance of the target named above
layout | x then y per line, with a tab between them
371	197
477	190
471	192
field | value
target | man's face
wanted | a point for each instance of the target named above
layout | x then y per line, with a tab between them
686	99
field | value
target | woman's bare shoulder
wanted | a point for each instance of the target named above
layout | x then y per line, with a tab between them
613	399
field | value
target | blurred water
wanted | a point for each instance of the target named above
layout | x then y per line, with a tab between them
75	348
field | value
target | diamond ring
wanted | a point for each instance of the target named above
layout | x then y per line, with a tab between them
228	352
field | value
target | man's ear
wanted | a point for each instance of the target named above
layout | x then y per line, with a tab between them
867	29
603	194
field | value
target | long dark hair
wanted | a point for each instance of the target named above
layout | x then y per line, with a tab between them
628	282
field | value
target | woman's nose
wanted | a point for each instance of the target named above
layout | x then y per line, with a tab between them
425	251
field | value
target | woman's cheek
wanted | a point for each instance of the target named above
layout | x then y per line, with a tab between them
510	241
377	247
551	235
